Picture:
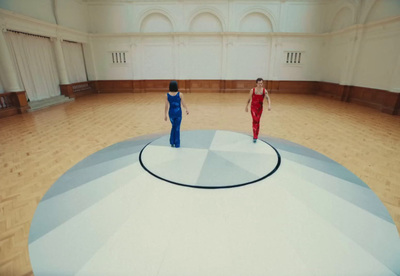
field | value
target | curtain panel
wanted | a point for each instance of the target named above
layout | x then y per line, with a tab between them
35	59
74	61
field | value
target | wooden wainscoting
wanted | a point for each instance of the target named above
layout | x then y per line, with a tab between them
383	100
12	103
238	86
66	90
331	90
204	86
114	86
152	85
295	87
83	88
78	89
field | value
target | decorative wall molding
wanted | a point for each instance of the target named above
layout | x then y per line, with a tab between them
207	10
26	24
154	11
262	10
199	34
366	26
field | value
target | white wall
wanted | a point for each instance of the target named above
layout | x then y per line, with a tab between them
286	16
105	69
378	57
342	41
255	62
303	17
335	57
367	54
115	18
72	14
240	40
68	13
39	9
214	40
382	9
309	69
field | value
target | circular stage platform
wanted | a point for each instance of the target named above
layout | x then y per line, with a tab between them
118	213
210	159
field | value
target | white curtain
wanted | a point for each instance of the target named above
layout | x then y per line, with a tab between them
74	61
36	63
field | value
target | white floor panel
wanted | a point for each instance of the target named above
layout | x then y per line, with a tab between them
185	167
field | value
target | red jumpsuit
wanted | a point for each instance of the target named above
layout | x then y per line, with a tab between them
256	111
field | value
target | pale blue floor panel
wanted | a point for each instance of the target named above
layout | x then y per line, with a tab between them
266	162
326	166
75	178
362	196
289	146
219	172
58	209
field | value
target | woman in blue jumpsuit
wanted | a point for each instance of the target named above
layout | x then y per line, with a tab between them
173	101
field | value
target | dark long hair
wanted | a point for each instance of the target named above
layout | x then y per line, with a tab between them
173	86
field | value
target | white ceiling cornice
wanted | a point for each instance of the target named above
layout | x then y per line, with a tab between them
204	1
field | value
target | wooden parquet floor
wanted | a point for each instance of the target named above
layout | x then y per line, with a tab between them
37	148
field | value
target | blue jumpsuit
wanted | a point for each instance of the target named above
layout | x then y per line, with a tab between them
175	116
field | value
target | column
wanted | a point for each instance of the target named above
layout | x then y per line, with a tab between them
90	61
62	69
272	57
394	84
175	57
224	47
355	48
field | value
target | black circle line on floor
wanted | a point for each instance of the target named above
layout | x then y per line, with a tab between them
213	187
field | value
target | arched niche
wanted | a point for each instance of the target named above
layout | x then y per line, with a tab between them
383	9
343	18
156	22
205	22
255	22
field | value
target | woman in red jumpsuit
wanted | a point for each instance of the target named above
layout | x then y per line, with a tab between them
256	97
